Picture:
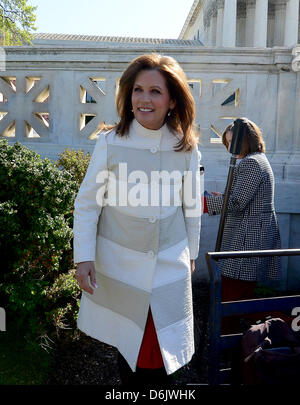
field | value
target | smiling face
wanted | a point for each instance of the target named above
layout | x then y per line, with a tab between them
150	99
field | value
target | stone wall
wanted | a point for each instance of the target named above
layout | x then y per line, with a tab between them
45	89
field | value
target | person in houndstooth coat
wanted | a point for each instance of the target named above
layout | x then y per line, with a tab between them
251	222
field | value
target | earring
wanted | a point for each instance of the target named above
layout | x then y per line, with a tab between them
169	113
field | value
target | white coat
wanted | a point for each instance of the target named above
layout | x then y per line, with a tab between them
141	252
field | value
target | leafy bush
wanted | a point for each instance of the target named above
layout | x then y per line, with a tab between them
36	216
62	313
75	162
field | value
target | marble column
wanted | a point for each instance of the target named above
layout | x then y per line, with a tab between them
220	17
271	22
279	24
206	34
229	23
261	24
213	29
291	23
241	25
250	17
209	41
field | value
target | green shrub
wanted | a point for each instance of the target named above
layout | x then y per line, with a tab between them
63	298
36	216
75	162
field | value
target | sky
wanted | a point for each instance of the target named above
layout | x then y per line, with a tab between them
127	18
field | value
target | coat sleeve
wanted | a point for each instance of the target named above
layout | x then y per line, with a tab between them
88	204
214	204
249	176
192	209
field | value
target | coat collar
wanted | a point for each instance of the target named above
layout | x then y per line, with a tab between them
151	133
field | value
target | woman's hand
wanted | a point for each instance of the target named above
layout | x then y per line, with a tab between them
215	193
192	266
85	270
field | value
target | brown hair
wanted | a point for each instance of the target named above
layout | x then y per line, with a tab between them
181	118
252	139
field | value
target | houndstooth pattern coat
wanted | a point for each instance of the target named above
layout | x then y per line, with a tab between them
251	222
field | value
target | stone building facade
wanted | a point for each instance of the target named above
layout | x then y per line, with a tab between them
243	23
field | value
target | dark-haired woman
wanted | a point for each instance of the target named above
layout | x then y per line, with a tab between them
137	224
251	222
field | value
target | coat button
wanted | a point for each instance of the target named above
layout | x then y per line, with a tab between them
151	253
152	220
154	149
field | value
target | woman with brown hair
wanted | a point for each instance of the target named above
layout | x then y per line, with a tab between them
251	222
137	224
